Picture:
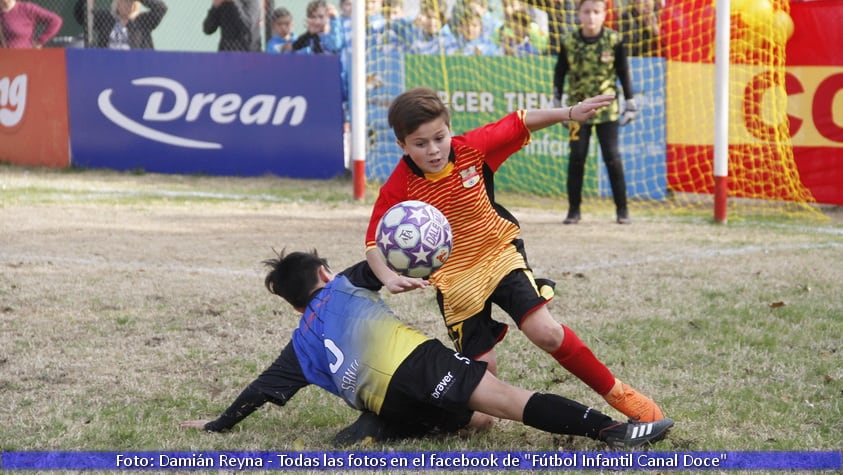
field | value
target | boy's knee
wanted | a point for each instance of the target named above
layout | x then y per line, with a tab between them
547	335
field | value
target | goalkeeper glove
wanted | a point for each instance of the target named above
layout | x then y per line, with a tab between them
630	112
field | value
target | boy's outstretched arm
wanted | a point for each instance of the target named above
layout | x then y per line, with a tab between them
537	119
277	384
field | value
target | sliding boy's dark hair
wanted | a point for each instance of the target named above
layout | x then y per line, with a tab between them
293	276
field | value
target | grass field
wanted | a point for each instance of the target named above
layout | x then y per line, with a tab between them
131	302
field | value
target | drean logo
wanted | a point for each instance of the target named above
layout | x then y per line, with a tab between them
223	109
12	100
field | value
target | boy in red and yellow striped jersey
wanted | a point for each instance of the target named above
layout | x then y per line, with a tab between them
488	263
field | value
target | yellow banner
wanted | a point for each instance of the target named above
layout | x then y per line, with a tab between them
759	105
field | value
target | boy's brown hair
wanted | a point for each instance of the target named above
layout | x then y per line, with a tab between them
413	108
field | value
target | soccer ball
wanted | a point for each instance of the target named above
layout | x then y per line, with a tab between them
415	238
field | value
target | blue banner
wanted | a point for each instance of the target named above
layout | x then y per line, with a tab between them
210	113
440	461
643	142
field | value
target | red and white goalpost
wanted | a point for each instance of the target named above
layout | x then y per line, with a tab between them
357	99
721	111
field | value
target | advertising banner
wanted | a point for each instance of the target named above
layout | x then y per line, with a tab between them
814	85
475	100
541	167
235	114
812	82
33	108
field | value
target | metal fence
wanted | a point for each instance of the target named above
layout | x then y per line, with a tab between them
180	29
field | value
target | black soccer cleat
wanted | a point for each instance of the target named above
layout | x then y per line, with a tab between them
635	434
367	426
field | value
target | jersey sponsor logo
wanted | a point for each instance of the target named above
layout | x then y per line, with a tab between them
12	100
172	102
443	386
470	177
349	377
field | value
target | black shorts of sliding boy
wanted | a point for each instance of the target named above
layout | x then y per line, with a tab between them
431	388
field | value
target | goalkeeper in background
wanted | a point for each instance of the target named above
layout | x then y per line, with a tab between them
593	60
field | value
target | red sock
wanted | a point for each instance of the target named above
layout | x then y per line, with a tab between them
577	358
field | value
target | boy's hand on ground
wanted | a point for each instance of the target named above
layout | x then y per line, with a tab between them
198	424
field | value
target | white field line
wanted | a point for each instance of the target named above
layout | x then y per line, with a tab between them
14	259
99	194
703	254
833	230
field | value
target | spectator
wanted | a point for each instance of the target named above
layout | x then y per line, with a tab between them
378	34
393	11
123	26
345	22
638	24
469	37
397	26
490	22
519	36
19	22
519	24
238	22
324	30
283	37
429	32
561	19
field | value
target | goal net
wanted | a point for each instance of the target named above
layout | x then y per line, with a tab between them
667	150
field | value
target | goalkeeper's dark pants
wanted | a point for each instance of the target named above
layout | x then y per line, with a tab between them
607	136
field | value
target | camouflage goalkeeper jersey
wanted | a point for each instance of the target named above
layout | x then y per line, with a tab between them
592	70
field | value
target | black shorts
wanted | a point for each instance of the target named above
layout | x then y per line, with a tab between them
431	388
518	294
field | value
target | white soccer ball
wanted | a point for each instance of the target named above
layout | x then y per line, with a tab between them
415	238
